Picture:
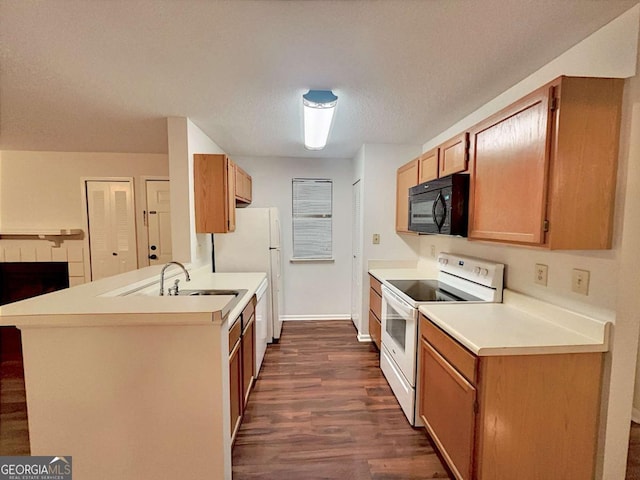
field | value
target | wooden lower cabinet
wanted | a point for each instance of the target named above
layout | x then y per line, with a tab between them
248	357
235	384
448	410
375	330
375	311
242	360
511	416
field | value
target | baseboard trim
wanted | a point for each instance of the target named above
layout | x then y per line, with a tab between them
635	415
302	318
364	337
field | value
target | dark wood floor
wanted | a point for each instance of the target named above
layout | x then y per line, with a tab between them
14	430
321	409
633	460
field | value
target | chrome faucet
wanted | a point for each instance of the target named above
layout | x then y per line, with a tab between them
186	274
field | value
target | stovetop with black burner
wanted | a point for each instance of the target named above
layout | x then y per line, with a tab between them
432	291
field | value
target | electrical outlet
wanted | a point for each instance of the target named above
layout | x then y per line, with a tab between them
541	274
376	239
433	251
580	281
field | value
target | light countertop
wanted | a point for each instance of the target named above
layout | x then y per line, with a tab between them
383	274
504	329
521	325
106	302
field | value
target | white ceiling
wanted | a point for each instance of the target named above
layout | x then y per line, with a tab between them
96	75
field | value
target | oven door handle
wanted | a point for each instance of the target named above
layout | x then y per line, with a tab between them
398	303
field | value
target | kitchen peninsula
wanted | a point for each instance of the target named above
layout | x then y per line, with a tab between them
131	384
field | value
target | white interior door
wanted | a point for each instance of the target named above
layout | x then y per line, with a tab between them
158	221
112	229
356	264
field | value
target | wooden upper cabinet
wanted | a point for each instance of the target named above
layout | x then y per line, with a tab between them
543	170
214	193
509	172
584	162
428	167
243	186
406	178
454	155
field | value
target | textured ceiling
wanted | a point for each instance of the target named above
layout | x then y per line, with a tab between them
94	75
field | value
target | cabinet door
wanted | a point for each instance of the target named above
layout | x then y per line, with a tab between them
235	388
510	154
248	358
447	408
375	303
429	165
407	177
375	329
243	185
248	188
231	196
214	193
454	155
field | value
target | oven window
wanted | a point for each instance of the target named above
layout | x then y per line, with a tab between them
396	327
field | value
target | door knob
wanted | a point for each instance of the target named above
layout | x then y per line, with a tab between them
153	256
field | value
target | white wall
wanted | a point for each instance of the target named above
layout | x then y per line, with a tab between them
44	189
311	290
375	166
186	139
613	290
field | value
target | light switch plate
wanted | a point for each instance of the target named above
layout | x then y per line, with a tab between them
541	274
376	239
580	281
433	251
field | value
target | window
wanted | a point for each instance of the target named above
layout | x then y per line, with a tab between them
312	219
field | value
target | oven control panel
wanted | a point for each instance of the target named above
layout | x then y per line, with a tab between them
477	270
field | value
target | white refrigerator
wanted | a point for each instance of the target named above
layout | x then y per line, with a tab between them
255	247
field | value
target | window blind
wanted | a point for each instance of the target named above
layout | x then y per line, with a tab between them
312	218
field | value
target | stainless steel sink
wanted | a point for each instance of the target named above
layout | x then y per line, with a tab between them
237	294
207	291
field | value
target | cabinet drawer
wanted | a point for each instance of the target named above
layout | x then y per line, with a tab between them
234	333
375	284
248	311
459	357
375	303
375	329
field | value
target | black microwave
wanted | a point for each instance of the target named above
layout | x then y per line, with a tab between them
440	206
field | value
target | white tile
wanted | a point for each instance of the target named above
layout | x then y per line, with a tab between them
12	254
43	253
73	281
76	269
75	254
59	254
28	254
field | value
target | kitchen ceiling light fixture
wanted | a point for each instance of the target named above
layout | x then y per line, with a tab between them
319	107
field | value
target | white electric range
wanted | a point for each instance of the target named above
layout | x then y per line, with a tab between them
460	279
